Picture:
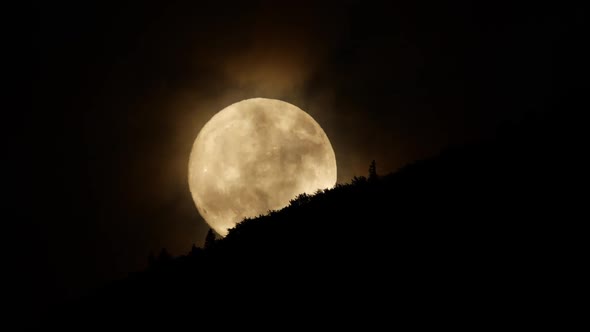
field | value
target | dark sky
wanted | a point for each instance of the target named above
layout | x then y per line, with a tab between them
117	94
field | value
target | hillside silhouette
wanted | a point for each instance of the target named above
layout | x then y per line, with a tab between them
479	233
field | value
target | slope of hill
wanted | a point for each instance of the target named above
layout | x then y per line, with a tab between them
478	233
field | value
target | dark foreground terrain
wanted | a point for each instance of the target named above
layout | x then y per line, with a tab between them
482	235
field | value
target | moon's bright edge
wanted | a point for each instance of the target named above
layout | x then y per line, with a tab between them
254	156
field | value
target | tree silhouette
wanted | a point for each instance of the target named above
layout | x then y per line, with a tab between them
373	171
209	239
301	199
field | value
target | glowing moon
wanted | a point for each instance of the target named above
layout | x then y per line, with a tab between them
255	156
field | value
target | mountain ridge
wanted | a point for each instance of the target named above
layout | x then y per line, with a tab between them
478	232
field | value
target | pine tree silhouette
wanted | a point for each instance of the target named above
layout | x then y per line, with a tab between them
373	171
209	239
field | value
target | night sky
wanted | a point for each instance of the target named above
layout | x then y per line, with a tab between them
118	93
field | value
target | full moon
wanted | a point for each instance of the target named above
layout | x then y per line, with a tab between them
255	156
